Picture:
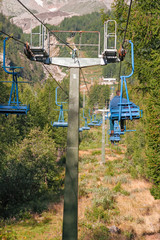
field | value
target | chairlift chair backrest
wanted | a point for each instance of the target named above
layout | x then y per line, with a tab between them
61	122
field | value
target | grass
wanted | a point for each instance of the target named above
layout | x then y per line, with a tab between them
117	179
42	227
96	152
91	139
118	189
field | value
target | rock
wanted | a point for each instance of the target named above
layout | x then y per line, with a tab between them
114	229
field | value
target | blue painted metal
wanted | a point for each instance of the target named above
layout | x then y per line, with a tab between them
86	124
13	106
80	129
98	124
60	122
115	137
91	123
126	111
94	122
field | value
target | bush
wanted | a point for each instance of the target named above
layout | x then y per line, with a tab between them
29	173
96	231
100	233
155	191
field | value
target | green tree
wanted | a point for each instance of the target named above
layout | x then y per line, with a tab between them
144	31
99	95
30	171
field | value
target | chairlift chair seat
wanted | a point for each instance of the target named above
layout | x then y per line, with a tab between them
14	109
91	124
115	138
95	121
126	113
85	128
98	124
40	54
60	124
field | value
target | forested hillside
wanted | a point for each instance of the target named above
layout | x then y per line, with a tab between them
15	54
28	142
144	30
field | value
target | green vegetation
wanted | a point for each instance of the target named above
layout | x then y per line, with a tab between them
29	172
30	175
99	96
33	72
143	29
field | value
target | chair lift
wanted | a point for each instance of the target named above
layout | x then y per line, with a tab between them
124	111
91	124
117	132
60	122
86	124
13	106
99	122
94	122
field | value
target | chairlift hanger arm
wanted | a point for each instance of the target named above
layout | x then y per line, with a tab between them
132	59
4	56
57	103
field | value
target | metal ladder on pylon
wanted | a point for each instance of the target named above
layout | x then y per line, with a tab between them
110	41
40	44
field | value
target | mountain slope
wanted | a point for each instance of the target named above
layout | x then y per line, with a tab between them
52	12
83	7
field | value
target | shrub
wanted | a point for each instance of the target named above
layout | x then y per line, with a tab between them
29	173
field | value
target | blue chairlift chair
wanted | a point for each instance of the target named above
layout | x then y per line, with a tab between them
91	124
117	132
13	106
127	110
85	127
60	122
99	122
94	122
